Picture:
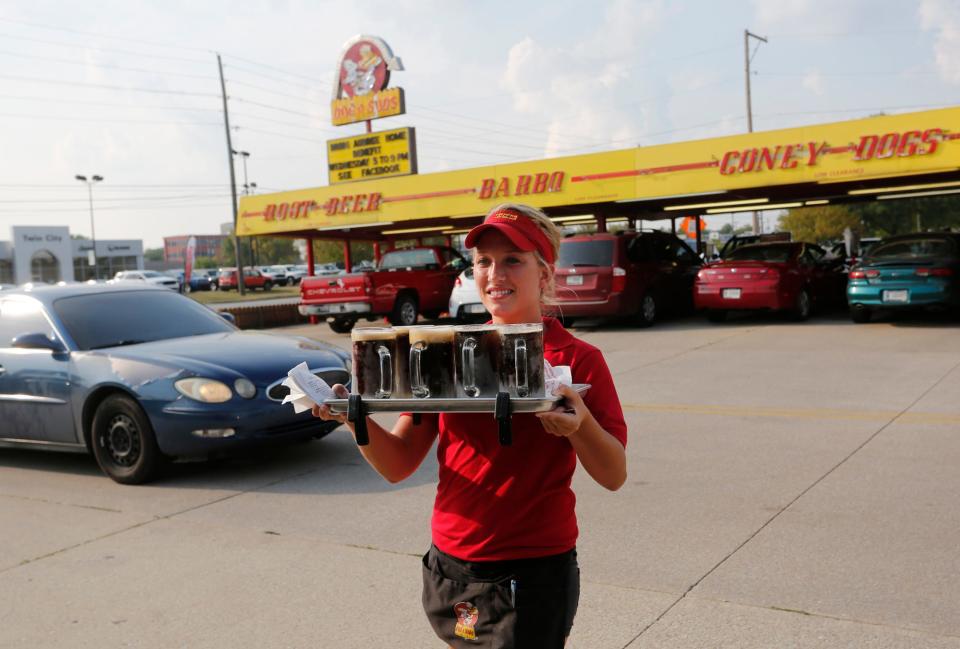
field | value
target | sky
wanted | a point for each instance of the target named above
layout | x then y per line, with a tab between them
129	89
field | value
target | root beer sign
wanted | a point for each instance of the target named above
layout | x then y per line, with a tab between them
361	93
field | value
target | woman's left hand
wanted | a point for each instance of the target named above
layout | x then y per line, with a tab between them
566	418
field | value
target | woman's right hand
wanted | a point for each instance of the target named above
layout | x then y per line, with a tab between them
323	411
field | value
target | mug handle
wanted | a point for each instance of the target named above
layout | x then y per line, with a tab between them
469	375
417	386
520	362
386	373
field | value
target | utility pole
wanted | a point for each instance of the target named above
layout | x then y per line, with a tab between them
241	285
747	35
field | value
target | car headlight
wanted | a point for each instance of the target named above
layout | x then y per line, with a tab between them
245	388
205	390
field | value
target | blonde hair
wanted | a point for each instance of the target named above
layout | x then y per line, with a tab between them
553	234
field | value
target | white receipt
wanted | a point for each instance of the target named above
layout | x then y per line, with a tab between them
554	377
306	389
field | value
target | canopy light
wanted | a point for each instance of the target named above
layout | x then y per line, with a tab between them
670	196
354	226
564	219
901	188
468	216
886	197
764	208
746	201
816	202
435	228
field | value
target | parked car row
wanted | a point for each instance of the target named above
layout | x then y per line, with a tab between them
640	275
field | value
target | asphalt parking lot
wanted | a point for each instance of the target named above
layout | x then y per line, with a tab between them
790	485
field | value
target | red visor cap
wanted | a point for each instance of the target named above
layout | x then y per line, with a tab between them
519	228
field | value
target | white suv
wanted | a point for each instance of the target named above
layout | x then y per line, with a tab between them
148	277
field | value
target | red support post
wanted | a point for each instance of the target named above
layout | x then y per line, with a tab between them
601	223
313	318
376	252
699	235
347	263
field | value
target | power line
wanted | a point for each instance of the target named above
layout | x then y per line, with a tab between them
61	82
113	104
105	120
138	41
107	66
104	49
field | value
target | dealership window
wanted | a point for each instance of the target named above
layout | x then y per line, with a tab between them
44	267
82	270
6	272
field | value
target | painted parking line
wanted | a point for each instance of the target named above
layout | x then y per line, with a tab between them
951	419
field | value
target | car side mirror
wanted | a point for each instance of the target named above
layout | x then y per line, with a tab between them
38	341
229	317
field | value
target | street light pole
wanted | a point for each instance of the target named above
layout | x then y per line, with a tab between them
747	35
94	179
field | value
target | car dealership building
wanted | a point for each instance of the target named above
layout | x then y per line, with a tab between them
48	254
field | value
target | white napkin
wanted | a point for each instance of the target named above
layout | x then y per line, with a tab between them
554	377
306	389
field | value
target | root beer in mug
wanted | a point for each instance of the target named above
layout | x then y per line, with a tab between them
401	363
521	365
432	366
478	353
374	350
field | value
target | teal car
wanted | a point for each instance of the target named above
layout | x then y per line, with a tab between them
910	271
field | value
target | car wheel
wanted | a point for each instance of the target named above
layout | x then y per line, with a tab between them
342	325
291	281
123	441
802	307
647	314
214	286
860	314
716	315
267	286
404	311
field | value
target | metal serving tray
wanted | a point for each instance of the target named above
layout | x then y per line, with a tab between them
466	404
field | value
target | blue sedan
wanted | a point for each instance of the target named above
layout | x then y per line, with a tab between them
137	375
911	271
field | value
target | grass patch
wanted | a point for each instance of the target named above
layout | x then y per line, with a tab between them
219	297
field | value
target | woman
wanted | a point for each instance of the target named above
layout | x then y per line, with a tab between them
502	570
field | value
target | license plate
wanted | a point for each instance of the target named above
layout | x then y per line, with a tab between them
731	293
574	280
896	296
474	308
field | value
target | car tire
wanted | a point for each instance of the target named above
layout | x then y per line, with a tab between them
342	325
123	441
566	321
214	286
267	286
860	314
291	281
802	307
717	315
404	311
647	314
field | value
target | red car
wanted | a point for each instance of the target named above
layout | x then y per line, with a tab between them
252	278
794	277
635	275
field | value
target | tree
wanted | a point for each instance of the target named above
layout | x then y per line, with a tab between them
153	254
821	223
889	217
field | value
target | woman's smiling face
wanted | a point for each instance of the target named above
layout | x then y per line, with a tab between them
510	281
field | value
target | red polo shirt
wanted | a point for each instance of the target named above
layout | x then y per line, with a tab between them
512	502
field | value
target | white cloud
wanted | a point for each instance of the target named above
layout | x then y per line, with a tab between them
574	88
945	18
813	81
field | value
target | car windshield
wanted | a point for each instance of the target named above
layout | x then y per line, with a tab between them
407	258
586	253
151	273
912	249
778	253
100	320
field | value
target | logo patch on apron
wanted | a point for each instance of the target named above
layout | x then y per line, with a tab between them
467	616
